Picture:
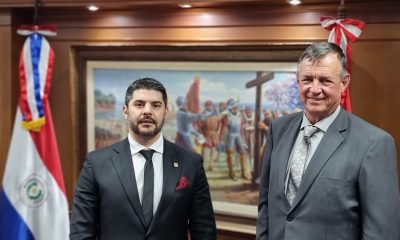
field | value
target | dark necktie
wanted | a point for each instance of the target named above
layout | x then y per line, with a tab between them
299	163
148	186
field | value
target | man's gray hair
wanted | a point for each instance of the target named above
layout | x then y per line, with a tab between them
319	50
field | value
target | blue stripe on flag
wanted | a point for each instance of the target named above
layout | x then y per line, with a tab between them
12	227
36	48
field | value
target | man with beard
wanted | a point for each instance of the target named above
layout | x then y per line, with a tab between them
124	192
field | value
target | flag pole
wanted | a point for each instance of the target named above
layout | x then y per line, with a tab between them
36	12
341	10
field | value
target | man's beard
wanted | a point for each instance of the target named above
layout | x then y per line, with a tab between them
147	133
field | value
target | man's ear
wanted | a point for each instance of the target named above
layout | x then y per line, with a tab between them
125	111
345	82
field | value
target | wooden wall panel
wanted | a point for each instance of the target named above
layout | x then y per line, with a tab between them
5	17
5	88
222	35
375	85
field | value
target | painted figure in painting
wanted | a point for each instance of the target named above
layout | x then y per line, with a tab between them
263	126
248	128
234	141
185	133
221	148
210	127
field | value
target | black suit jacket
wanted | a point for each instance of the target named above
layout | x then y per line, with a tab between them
107	206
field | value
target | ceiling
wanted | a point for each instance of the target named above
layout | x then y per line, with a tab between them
125	4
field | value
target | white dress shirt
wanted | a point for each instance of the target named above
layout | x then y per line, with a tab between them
138	165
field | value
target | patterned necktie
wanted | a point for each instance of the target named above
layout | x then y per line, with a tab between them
148	186
299	163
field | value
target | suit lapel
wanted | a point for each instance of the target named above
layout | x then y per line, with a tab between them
328	145
172	166
123	165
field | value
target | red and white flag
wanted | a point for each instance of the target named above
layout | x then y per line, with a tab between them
33	202
343	31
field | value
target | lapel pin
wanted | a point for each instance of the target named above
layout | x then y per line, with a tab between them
176	165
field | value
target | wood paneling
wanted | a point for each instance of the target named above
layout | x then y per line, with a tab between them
375	85
5	89
170	4
279	15
5	17
221	35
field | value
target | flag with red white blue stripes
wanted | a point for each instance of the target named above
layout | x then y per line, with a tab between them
33	202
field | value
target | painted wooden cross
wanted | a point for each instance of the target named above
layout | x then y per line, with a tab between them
261	78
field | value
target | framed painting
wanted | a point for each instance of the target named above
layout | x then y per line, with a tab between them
226	105
259	80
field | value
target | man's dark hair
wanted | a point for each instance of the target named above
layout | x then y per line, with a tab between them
319	50
148	84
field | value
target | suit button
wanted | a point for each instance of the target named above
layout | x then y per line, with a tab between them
289	218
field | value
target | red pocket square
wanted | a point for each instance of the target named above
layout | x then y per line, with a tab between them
183	183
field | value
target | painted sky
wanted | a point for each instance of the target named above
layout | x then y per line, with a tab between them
215	85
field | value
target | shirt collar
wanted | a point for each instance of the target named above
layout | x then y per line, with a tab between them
324	123
135	147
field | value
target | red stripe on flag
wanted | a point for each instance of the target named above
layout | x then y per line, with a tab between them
348	56
338	36
46	145
24	91
349	35
345	101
